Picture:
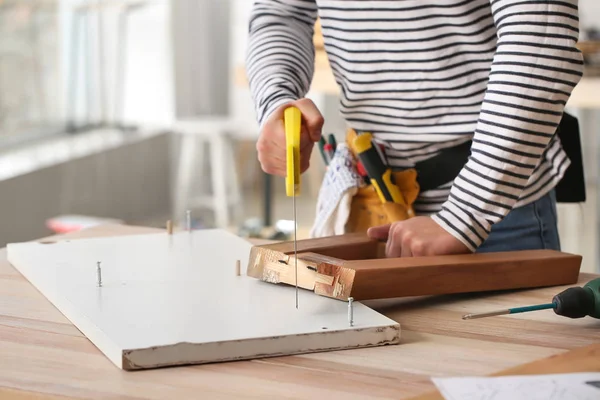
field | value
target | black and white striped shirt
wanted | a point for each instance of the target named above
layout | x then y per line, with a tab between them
424	75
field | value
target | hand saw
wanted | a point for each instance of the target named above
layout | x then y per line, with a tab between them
293	123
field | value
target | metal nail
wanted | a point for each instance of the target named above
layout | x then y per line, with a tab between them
350	312
99	272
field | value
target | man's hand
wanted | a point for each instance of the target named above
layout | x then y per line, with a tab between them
271	143
415	237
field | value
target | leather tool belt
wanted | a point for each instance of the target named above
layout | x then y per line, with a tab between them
367	209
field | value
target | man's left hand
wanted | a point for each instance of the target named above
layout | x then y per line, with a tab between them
416	237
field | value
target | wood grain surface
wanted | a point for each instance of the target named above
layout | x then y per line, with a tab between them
462	273
43	356
583	359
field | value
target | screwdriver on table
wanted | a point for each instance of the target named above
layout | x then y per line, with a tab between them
293	124
575	302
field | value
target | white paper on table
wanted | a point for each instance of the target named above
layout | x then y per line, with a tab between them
575	386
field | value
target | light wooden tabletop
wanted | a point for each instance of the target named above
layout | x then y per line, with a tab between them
43	356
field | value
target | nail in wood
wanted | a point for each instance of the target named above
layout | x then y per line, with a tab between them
350	311
170	227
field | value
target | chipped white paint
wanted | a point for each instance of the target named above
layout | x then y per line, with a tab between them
172	300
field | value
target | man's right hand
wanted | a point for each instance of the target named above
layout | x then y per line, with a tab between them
271	143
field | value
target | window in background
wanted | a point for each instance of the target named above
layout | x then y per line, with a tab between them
75	66
29	70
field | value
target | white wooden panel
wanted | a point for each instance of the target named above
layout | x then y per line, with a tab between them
172	300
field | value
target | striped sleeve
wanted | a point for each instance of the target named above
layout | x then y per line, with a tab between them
535	68
280	54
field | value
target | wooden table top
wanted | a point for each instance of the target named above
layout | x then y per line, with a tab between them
43	356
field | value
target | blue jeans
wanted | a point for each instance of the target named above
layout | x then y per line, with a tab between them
533	226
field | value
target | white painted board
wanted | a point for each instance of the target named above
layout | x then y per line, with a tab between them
176	299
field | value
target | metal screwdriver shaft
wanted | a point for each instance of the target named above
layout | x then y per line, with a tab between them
574	302
515	310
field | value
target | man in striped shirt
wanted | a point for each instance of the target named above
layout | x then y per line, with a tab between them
424	76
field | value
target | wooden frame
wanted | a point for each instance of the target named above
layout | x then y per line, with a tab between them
354	265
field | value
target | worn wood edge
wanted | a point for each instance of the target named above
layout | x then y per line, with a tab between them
341	278
393	278
582	359
236	350
325	276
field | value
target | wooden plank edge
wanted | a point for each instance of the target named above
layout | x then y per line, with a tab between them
348	247
583	359
420	276
462	259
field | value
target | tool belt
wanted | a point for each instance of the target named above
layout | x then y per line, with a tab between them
367	208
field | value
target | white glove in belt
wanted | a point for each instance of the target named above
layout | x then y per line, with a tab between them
340	184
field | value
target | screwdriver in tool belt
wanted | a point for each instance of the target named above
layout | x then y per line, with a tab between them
575	302
379	174
293	123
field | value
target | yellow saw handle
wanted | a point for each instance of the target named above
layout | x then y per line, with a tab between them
293	123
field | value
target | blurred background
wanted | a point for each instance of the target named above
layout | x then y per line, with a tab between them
136	111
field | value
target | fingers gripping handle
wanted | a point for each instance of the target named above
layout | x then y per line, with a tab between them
293	123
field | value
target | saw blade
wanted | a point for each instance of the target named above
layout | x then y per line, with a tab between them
292	123
295	245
